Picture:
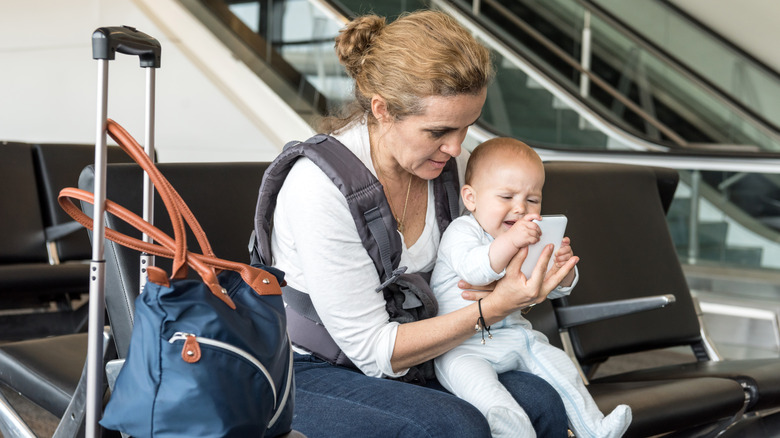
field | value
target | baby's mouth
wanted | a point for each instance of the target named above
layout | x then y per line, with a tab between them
509	223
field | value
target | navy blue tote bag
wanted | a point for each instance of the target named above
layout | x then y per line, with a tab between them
208	357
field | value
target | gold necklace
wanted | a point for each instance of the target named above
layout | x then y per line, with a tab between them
406	202
399	222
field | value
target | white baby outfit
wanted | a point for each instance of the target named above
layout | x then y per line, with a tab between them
470	370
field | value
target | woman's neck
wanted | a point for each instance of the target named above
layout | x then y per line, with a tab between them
405	192
387	168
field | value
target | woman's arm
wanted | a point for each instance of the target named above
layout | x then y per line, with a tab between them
316	243
423	340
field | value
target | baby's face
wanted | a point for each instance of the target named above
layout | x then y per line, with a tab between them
504	192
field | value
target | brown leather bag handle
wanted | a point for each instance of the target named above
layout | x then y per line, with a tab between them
205	264
171	199
132	148
261	281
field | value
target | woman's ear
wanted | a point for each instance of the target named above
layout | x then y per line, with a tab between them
379	109
469	197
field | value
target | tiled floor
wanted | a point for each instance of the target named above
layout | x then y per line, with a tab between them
740	309
42	423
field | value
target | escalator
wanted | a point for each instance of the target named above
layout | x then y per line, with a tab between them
572	78
616	62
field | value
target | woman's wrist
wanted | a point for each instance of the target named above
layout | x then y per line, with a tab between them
492	309
481	323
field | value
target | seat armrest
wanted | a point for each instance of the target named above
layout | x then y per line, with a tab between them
57	232
572	316
113	367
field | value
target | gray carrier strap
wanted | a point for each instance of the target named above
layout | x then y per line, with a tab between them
446	195
363	192
306	330
408	300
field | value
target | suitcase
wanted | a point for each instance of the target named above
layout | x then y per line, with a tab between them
106	43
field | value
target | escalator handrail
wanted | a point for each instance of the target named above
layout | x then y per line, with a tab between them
675	159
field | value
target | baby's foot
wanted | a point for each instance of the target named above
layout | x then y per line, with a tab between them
616	423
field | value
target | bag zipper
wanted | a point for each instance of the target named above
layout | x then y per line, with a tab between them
182	336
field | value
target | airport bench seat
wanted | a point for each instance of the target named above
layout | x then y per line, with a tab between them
27	278
659	406
44	254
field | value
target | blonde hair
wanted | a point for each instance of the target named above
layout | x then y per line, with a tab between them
501	148
421	54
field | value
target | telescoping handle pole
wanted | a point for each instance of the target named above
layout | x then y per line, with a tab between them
106	42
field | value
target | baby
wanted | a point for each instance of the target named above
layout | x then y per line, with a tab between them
503	193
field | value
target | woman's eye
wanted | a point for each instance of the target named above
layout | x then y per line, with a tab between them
438	134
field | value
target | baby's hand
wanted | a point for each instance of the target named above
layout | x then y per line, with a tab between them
525	232
564	253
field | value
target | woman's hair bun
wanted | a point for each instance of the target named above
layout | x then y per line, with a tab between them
355	39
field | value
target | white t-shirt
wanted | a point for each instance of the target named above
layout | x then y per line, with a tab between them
315	242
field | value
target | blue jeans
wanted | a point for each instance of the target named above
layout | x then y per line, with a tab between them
333	401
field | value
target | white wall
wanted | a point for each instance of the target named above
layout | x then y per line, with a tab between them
750	24
206	111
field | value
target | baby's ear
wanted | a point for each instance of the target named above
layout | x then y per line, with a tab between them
469	197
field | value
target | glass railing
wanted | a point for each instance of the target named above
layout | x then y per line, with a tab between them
302	33
723	217
622	76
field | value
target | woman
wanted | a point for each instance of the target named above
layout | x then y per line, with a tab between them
420	82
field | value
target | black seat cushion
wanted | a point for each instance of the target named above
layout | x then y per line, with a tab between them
45	370
760	376
660	407
21	284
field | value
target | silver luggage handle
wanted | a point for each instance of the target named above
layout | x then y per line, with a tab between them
106	42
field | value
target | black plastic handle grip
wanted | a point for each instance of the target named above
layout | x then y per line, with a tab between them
106	41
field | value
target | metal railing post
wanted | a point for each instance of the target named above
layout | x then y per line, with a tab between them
585	57
693	219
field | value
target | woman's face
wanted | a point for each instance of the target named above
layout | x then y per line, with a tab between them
422	144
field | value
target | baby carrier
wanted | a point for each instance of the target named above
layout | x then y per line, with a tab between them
408	296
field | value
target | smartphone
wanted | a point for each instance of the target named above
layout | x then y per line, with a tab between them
553	228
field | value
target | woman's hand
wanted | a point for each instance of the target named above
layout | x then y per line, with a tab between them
473	293
421	340
515	291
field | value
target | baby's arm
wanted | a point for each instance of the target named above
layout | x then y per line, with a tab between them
523	233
